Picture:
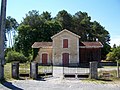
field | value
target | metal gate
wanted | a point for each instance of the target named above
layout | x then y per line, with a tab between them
74	70
45	70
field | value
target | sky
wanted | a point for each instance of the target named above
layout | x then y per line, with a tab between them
106	12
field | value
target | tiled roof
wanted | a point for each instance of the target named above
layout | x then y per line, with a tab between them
41	44
82	44
91	44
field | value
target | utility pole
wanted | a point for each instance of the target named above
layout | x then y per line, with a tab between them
2	37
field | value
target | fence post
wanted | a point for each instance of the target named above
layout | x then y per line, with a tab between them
118	69
15	70
1	71
93	70
34	70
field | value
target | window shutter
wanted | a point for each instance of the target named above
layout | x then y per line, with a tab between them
65	43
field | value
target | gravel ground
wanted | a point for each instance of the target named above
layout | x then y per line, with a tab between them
58	83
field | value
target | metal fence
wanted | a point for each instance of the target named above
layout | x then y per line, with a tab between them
45	70
76	70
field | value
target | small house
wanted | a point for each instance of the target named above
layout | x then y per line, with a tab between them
66	48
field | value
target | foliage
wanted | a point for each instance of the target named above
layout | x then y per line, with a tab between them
37	27
15	56
7	71
105	50
114	54
65	19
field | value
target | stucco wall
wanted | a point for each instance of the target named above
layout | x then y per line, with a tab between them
44	50
73	48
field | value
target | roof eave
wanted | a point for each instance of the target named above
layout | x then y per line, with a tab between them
66	31
91	47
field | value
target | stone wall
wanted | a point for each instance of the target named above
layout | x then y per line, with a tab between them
73	48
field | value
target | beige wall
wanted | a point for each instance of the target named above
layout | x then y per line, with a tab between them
73	48
47	50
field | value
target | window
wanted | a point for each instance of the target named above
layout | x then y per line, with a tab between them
65	43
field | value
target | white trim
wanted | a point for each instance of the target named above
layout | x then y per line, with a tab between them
78	51
53	52
48	60
65	30
45	47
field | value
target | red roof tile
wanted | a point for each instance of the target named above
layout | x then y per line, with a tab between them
41	44
91	44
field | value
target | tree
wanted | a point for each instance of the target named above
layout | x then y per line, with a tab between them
81	24
35	25
114	46
65	19
15	56
100	33
114	54
46	16
44	26
11	26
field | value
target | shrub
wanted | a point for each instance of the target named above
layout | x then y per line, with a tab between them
15	56
110	57
114	54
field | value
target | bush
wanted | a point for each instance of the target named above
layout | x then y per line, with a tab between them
110	57
15	56
114	54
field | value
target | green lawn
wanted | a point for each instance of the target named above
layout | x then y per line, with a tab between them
23	69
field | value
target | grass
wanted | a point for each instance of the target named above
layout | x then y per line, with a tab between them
23	69
104	80
109	66
26	68
112	75
7	71
44	69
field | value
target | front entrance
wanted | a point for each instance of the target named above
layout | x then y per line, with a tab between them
65	58
44	58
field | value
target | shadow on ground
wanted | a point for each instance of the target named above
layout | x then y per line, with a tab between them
105	80
9	85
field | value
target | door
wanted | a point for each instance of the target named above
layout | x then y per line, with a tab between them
44	58
65	58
